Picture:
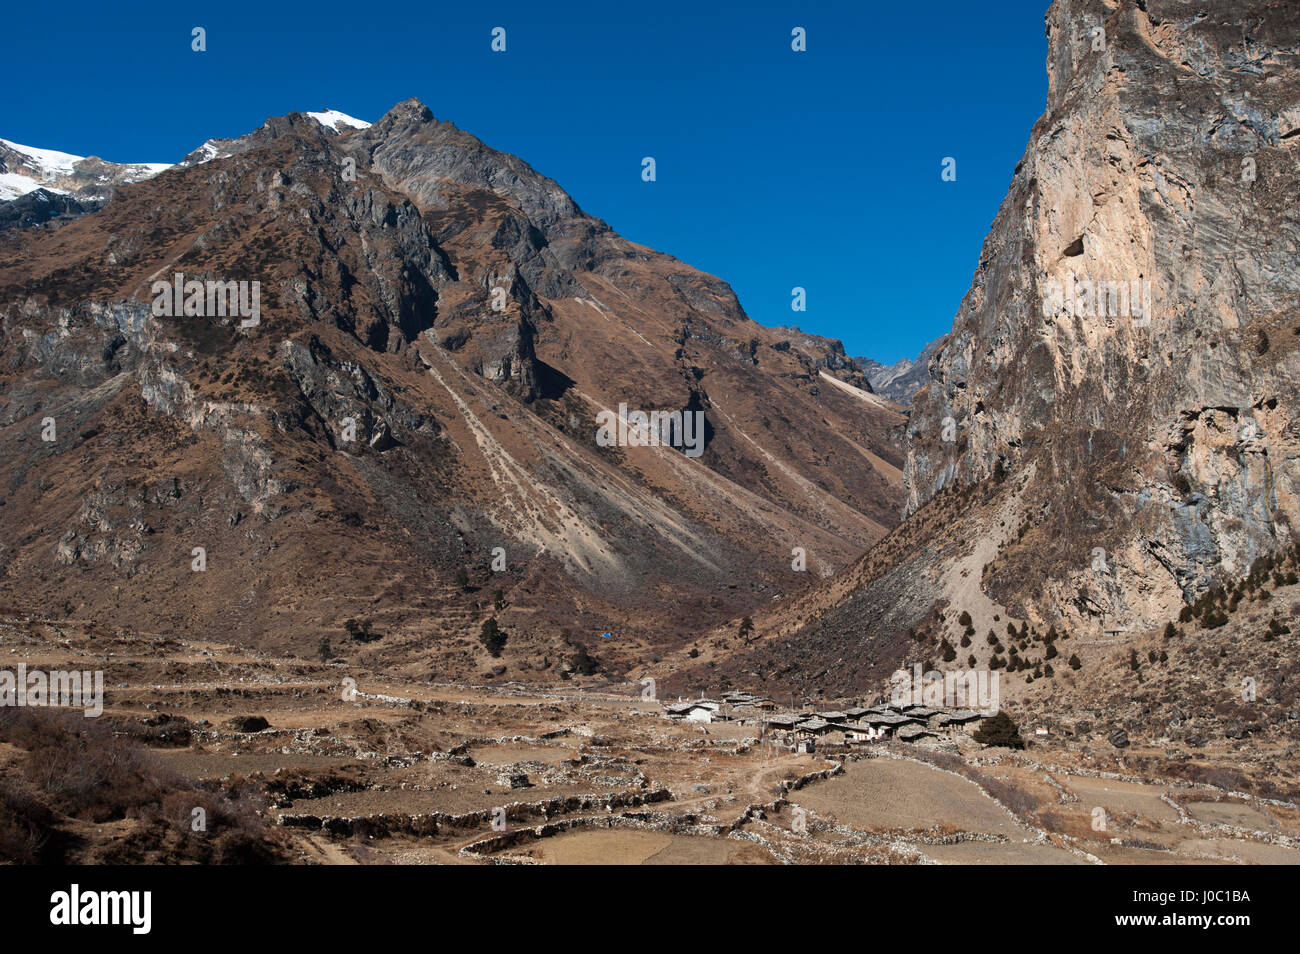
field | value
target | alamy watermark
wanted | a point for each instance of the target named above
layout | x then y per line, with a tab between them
207	299
37	688
1093	299
77	907
682	429
958	688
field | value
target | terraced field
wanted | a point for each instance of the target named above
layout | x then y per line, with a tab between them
337	765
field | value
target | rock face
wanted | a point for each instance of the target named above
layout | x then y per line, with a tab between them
439	327
38	207
1164	434
902	380
1114	421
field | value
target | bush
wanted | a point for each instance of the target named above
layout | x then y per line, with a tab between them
25	829
360	631
492	638
584	664
75	768
999	730
1074	661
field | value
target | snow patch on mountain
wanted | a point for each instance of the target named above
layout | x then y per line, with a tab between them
28	168
46	161
13	184
333	119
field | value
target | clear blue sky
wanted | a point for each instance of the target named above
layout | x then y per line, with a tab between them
775	169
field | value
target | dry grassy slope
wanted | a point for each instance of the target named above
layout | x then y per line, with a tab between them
849	633
475	427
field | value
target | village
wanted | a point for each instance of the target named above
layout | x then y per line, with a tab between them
805	730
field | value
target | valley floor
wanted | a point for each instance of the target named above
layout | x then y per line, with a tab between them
353	768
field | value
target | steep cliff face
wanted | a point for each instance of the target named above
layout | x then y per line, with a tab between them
1114	422
1132	329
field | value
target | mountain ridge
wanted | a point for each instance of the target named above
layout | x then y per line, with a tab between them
475	424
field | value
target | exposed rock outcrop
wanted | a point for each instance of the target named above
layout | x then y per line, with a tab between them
901	380
1163	431
1114	422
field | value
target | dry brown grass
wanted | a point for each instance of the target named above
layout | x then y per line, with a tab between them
73	773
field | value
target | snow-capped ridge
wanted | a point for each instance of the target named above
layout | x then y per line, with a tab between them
332	119
29	168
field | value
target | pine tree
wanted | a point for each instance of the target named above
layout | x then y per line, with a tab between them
492	638
584	664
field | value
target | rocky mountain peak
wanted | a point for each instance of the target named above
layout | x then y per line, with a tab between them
434	162
441	329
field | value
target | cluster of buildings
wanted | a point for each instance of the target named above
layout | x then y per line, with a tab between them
731	707
803	730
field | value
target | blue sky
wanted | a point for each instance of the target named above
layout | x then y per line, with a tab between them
775	169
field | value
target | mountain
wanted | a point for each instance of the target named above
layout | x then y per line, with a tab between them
1100	471
40	206
38	186
401	426
901	380
89	180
